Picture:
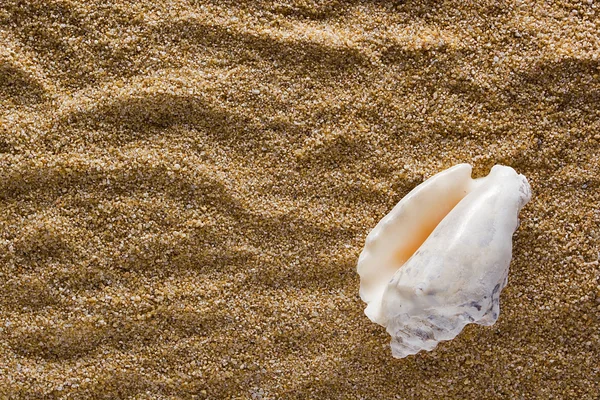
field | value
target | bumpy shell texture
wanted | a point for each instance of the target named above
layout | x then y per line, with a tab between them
440	258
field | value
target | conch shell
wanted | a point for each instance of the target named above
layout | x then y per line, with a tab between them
440	258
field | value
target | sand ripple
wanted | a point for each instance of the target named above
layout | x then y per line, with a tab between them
185	187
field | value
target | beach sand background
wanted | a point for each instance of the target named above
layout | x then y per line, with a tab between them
185	188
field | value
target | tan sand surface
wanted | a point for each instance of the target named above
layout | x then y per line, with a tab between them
185	187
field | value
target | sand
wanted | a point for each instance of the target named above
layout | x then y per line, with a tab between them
185	187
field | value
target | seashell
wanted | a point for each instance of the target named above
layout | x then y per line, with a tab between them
439	260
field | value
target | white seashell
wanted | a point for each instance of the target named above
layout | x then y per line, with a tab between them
440	258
